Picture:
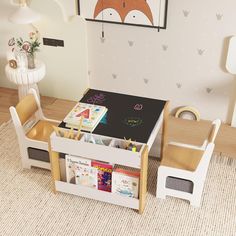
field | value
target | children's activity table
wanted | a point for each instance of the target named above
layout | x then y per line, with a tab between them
128	118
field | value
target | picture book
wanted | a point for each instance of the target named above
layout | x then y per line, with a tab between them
104	175
72	163
125	183
92	114
86	176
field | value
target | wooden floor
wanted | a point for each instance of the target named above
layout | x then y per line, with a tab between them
179	130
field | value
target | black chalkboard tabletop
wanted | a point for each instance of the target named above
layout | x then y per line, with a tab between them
127	116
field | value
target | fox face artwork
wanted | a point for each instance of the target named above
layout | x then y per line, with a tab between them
124	10
137	12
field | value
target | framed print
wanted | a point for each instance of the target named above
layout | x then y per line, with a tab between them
148	13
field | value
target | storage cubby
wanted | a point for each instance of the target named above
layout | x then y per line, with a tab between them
97	194
96	139
122	144
99	152
63	170
63	186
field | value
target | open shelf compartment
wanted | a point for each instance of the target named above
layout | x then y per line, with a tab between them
106	153
96	194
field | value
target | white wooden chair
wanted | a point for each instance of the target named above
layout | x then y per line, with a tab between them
33	131
183	169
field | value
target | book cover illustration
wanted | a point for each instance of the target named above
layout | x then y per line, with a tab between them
72	163
125	183
91	114
86	176
104	175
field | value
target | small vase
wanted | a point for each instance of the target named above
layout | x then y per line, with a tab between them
31	62
21	60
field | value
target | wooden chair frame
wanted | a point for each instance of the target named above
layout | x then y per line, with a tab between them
197	176
22	115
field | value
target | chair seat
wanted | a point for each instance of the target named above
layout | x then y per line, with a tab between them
41	131
181	157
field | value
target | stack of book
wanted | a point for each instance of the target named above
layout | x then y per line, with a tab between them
102	176
93	174
91	115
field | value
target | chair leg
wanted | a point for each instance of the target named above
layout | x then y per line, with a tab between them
25	158
25	165
196	202
161	181
197	195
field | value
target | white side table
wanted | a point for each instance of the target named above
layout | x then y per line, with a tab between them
26	78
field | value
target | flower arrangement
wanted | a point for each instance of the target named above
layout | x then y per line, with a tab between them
30	47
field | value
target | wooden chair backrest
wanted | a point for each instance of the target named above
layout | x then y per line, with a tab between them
211	134
213	131
205	160
26	108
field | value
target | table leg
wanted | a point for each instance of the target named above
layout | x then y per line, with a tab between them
164	139
55	166
143	180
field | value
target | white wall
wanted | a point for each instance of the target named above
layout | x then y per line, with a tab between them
7	31
66	75
184	63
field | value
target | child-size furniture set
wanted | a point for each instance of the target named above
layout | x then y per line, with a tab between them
182	170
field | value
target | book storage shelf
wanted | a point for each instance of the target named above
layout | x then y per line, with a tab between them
107	153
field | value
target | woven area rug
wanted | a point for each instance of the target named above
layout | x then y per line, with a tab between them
28	206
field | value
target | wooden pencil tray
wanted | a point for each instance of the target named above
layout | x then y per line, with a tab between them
108	153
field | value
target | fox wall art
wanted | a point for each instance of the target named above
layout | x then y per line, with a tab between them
151	13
